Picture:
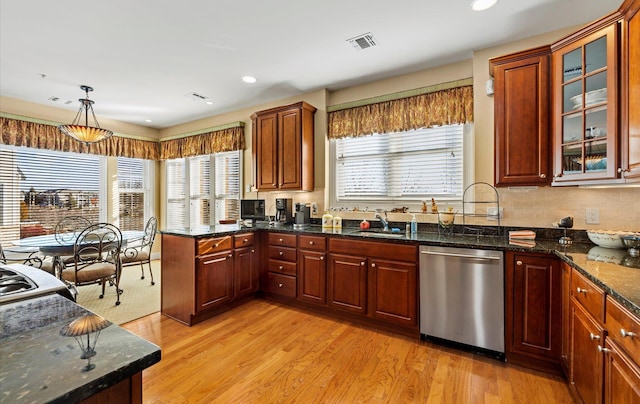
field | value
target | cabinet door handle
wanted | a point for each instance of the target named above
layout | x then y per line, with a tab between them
543	176
593	336
519	263
603	349
624	333
580	290
321	258
252	250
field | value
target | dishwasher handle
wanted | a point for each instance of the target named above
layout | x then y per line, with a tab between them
492	258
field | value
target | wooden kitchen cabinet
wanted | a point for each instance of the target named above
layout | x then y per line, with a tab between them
379	282
588	362
521	117
245	266
630	131
283	148
565	354
214	280
312	269
282	265
205	276
533	310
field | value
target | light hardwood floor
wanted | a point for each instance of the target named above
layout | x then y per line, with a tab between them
264	352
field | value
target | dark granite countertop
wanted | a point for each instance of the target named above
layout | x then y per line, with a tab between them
39	365
614	271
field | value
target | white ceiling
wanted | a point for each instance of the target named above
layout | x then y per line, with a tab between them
142	57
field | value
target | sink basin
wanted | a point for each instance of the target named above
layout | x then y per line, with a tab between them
377	233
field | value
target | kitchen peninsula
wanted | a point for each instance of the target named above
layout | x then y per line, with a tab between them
40	365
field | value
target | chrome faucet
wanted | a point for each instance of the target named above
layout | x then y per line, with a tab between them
385	221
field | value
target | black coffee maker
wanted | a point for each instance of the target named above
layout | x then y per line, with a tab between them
283	211
301	217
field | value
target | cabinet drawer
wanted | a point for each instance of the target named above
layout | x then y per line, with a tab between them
211	245
287	240
242	240
623	327
283	285
282	253
389	250
315	243
289	268
589	295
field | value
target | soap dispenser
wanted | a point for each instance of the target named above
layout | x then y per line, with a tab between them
414	226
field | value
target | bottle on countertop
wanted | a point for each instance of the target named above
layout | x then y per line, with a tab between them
337	222
327	220
414	226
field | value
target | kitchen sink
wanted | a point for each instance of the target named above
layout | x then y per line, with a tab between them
377	233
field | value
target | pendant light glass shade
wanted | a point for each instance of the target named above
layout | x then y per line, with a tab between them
85	133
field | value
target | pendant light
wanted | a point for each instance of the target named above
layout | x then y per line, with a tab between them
85	133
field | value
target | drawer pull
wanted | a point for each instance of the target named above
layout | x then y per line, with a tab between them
321	258
280	253
252	251
230	255
580	290
543	176
311	243
362	263
245	240
280	285
373	265
215	245
280	240
519	263
593	336
624	333
603	349
281	267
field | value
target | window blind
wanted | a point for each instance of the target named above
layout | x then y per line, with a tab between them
403	166
227	185
39	187
135	177
176	193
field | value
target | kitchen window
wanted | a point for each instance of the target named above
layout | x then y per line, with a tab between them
39	187
190	182
135	198
381	170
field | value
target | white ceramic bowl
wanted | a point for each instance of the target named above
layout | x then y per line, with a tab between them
606	255
607	238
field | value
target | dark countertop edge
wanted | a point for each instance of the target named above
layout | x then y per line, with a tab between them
433	238
110	379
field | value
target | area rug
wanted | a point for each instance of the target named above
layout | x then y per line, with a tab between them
139	298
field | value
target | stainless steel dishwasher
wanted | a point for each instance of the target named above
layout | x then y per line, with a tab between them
462	298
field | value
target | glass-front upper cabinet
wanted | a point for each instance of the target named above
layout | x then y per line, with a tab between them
585	102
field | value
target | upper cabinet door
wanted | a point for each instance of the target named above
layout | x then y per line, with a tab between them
265	148
585	81
521	116
630	137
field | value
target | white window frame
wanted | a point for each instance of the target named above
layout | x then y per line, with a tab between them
188	197
414	204
148	182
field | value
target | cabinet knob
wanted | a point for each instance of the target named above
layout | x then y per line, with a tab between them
311	243
593	336
280	253
280	267
603	349
580	290
230	256
362	263
624	333
321	258
373	265
280	240
274	184
252	250
557	175
519	263
245	240
280	285
215	245
543	176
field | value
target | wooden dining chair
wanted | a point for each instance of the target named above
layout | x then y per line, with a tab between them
96	258
139	251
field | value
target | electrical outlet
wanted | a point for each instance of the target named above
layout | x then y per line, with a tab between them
492	214
593	216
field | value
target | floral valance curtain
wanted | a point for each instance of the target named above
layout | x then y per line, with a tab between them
206	143
17	132
443	107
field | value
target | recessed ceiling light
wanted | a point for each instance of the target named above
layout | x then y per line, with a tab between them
479	5
249	79
148	120
209	102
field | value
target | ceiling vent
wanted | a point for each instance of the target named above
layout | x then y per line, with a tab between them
196	97
363	41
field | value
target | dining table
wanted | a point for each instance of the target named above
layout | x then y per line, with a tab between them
62	245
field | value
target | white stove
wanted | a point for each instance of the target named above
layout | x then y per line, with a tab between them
19	282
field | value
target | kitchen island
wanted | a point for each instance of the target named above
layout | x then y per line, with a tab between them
40	365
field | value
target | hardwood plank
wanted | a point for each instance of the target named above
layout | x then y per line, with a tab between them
265	352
